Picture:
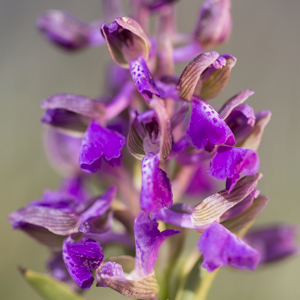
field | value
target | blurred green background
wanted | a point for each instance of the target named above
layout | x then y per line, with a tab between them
265	40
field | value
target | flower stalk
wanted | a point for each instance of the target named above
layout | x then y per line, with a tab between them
153	149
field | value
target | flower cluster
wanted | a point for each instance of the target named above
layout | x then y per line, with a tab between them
153	149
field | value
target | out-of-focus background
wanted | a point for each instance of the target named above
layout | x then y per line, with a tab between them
265	40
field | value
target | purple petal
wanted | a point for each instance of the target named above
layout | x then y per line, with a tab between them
183	220
156	190
241	121
234	102
220	247
110	237
99	142
95	219
148	240
143	79
207	126
101	205
98	225
81	258
214	24
230	162
274	242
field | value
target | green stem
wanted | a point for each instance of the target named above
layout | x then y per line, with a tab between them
205	284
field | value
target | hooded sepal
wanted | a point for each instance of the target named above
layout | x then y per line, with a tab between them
118	273
126	41
252	141
55	220
191	74
213	207
214	79
150	132
71	113
240	224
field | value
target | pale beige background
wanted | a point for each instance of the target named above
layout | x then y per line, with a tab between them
265	40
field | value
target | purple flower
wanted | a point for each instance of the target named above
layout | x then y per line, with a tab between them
140	283
220	247
63	214
274	242
81	258
230	162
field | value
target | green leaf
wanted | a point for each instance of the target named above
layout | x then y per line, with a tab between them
49	288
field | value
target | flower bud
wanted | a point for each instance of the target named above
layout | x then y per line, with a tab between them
67	31
126	41
214	23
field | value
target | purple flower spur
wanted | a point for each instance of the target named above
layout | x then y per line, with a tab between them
150	160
